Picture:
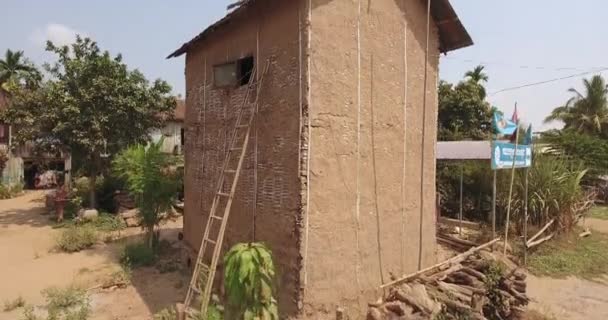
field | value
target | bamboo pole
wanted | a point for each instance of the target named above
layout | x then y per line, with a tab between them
511	189
541	231
526	218
453	260
494	206
460	209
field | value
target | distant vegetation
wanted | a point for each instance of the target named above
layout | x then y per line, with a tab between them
561	179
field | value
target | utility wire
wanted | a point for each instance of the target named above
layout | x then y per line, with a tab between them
529	67
548	81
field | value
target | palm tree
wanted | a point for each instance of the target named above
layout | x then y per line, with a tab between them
16	69
478	77
585	113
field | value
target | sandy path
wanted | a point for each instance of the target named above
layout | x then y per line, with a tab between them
29	264
596	224
569	299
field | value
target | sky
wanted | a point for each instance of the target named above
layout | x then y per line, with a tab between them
518	41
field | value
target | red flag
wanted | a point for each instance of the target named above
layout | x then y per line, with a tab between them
515	117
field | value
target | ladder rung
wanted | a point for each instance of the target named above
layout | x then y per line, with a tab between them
204	266
222	194
216	217
242	126
236	149
230	171
195	289
210	241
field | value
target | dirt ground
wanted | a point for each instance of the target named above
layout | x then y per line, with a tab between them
29	263
572	298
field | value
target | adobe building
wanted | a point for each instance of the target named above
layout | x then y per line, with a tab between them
333	177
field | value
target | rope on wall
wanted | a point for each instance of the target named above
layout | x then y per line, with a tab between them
422	157
358	151
255	126
201	123
403	181
308	128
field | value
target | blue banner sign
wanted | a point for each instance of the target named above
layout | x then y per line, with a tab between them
503	152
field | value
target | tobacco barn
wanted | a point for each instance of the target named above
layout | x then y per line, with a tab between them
339	177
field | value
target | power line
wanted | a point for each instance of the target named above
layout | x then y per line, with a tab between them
548	81
529	67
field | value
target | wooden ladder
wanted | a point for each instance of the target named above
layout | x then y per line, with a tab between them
204	270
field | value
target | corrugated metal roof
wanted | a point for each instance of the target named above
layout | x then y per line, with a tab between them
452	34
463	150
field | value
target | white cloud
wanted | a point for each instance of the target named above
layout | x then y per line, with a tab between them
57	33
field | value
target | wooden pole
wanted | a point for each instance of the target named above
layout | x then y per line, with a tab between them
181	311
511	188
460	212
494	206
526	218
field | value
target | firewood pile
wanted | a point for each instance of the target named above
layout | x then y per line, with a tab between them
473	285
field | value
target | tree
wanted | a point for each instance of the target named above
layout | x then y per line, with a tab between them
478	77
586	113
92	105
463	113
150	179
16	70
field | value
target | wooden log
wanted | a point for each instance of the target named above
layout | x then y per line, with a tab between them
374	314
397	307
441	275
457	259
457	223
456	291
460	307
475	273
585	233
477	302
449	238
453	244
539	241
540	232
462	278
520	274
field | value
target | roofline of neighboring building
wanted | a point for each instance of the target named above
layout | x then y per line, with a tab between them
452	33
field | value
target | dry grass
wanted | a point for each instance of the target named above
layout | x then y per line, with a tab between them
570	255
14	304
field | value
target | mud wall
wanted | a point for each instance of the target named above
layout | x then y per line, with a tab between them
363	215
266	206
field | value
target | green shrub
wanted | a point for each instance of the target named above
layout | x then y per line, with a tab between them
76	238
148	174
108	222
72	207
68	303
17	189
5	192
138	254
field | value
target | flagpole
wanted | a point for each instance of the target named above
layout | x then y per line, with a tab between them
511	186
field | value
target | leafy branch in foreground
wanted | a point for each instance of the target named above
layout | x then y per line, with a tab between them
249	286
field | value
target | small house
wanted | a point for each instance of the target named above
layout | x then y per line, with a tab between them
339	178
